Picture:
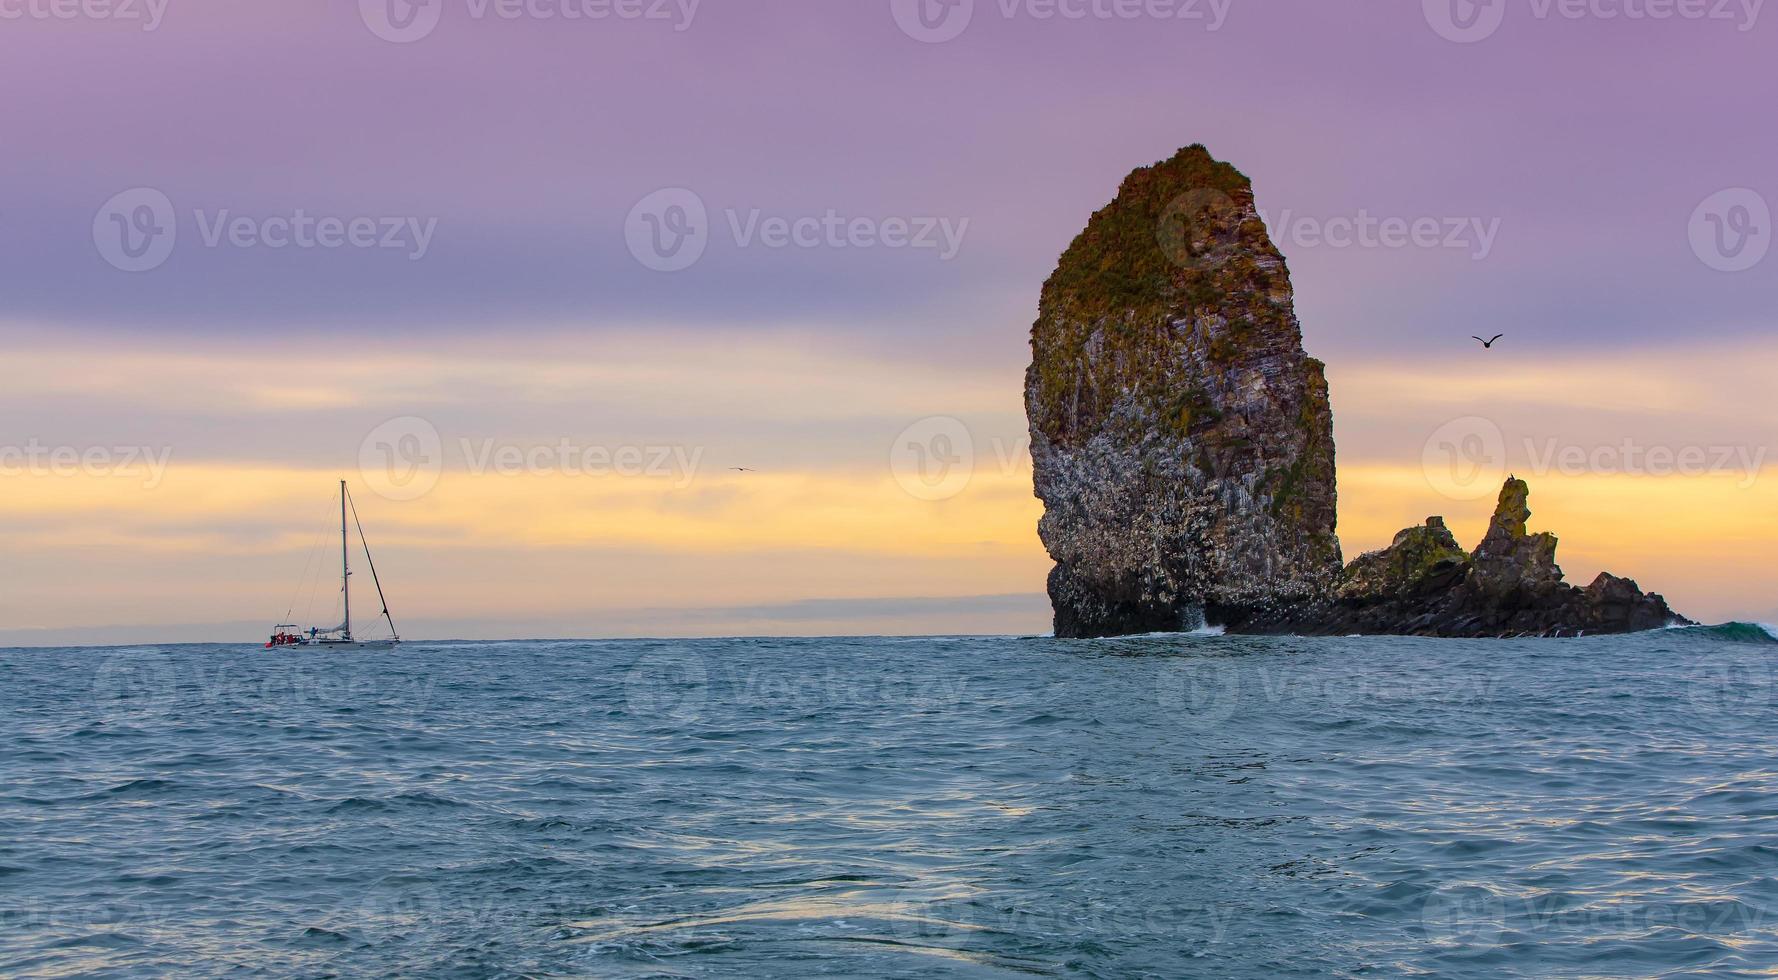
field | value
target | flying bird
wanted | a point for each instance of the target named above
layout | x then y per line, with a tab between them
743	469
1489	344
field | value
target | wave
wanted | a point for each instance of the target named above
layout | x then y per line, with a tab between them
1202	631
1735	632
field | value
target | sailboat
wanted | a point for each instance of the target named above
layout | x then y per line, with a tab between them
341	636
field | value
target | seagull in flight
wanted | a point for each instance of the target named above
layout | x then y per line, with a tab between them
1489	344
743	469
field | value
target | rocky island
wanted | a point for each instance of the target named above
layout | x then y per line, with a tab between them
1182	445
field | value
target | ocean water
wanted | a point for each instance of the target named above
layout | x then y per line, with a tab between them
1174	806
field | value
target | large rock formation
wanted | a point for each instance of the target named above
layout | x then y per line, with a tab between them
1183	448
1182	440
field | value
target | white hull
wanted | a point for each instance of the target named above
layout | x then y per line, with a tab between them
355	644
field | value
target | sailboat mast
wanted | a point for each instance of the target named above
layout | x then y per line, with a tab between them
345	563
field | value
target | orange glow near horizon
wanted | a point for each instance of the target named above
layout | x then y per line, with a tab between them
221	539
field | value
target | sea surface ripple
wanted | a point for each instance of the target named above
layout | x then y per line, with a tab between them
1168	806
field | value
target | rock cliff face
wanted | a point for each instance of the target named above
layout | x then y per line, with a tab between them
1182	440
1182	444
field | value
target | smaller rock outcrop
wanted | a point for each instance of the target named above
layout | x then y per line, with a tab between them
1512	564
1422	561
1424	584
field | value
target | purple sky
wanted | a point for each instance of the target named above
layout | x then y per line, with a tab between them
1589	140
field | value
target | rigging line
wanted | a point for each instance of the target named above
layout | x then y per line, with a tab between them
315	582
297	592
368	560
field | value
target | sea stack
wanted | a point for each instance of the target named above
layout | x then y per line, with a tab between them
1182	445
1182	440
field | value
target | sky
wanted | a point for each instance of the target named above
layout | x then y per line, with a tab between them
535	276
